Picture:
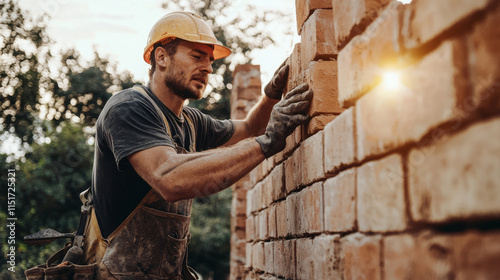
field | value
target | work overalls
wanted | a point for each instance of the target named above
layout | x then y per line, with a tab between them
152	241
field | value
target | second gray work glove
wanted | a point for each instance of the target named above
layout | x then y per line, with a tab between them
285	117
274	89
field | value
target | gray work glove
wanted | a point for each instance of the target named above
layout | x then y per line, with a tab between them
285	117
274	89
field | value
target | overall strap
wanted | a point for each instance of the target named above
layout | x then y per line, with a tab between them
192	148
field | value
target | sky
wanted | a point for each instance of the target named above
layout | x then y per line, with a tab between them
119	29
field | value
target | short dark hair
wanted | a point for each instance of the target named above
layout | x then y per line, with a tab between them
170	47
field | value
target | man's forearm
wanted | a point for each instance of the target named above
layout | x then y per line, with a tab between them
255	123
258	116
202	174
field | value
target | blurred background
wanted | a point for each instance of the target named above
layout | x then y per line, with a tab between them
61	60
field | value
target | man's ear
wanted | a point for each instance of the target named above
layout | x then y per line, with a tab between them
161	57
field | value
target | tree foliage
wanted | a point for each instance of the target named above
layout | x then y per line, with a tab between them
210	231
75	90
81	92
23	68
48	182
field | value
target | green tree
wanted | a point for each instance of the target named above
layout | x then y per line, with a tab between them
77	90
81	92
48	180
210	231
23	68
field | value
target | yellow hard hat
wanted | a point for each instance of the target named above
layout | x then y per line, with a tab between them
187	26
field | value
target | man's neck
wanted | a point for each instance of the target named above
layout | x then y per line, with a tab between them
167	97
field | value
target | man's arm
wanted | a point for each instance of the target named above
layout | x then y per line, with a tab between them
183	176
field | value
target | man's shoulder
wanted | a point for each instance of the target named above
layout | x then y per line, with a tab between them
127	98
129	94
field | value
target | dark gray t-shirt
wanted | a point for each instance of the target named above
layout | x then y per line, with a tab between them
130	123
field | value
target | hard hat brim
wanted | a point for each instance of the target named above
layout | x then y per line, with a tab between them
220	51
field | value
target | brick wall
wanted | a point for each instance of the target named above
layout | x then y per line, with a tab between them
387	180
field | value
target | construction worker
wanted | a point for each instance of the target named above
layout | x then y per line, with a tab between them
153	155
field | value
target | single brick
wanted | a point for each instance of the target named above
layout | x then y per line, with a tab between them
485	74
269	256
295	73
281	229
477	255
250	209
238	224
292	141
257	197
350	18
317	38
464	255
263	231
380	191
326	254
279	258
293	171
248	255
271	220
340	142
435	256
256	227
386	120
340	203
304	8
249	228
311	209
305	259
293	212
278	190
399	263
238	253
318	123
289	258
312	159
361	257
253	176
361	62
239	202
322	78
267	192
430	18
258	260
468	182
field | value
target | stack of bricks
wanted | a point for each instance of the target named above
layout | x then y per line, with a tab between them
388	180
245	93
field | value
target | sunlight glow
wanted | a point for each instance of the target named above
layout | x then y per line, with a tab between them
391	80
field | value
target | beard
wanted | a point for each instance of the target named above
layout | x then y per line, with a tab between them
175	82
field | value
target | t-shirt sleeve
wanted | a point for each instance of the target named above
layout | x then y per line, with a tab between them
210	133
133	125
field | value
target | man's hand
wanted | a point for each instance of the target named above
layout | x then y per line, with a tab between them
274	89
285	117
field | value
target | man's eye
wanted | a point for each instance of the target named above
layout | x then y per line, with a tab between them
197	56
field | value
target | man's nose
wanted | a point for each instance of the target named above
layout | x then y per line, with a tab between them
207	67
